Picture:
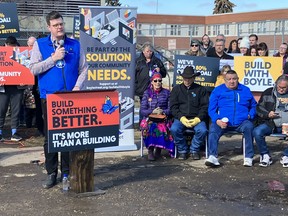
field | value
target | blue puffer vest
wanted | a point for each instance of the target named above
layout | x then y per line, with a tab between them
52	80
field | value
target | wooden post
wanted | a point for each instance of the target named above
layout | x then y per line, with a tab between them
82	171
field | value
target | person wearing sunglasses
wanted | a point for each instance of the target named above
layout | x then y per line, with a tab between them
272	112
189	107
156	135
194	49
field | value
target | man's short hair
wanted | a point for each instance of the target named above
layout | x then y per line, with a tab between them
220	40
53	15
253	35
231	72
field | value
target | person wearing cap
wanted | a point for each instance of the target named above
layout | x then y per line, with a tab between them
11	94
244	46
189	106
194	49
234	101
156	135
271	114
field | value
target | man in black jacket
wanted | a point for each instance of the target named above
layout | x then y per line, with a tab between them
189	107
272	111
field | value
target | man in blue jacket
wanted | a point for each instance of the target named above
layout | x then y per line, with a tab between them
59	64
232	102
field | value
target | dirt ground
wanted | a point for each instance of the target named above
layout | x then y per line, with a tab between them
135	186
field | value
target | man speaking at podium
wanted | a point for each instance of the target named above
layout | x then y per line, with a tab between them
59	63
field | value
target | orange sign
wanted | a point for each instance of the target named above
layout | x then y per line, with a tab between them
14	63
82	120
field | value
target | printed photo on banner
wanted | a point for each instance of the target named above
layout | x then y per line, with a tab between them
208	67
258	73
14	63
82	120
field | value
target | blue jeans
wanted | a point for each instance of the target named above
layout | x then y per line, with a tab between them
215	132
177	129
259	134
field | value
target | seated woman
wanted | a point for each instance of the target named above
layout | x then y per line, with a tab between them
156	135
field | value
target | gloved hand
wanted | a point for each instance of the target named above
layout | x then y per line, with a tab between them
185	121
193	122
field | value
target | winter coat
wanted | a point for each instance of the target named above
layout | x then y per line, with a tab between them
142	76
237	105
189	102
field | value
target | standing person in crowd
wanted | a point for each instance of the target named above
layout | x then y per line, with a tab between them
31	40
235	102
206	44
253	40
156	135
219	51
271	114
32	101
285	68
56	71
282	52
188	105
221	77
11	94
219	37
262	49
253	51
238	42
244	46
194	49
146	64
233	47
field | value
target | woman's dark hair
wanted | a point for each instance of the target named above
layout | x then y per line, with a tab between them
263	46
230	47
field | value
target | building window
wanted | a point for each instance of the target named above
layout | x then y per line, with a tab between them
261	27
216	30
195	30
175	30
240	29
152	30
209	30
226	30
251	28
139	29
278	26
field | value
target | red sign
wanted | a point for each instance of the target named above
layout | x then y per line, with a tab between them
14	63
82	120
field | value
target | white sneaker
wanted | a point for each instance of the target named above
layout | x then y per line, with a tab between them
284	161
265	160
212	161
248	162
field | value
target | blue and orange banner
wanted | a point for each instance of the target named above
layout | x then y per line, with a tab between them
82	120
14	63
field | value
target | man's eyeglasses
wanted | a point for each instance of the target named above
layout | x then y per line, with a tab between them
194	45
282	88
58	25
155	81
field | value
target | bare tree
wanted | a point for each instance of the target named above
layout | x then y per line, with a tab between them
223	6
113	3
